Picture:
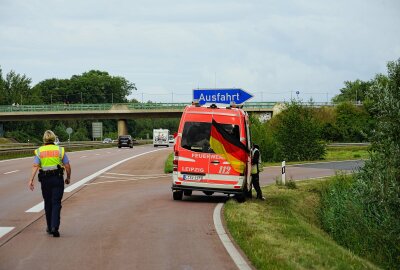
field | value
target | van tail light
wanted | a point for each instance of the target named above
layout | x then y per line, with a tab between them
175	162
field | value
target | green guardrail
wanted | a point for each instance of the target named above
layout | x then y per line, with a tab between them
55	107
109	106
132	106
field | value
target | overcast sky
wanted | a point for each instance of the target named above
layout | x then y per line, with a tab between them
269	48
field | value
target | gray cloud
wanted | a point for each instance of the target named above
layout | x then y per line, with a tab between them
269	48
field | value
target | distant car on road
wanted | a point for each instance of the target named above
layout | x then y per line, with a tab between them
171	139
125	140
107	140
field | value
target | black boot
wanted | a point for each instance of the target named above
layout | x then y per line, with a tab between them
55	233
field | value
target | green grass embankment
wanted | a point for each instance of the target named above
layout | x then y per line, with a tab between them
284	231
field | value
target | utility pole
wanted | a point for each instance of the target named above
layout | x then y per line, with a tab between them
356	96
172	96
142	97
81	98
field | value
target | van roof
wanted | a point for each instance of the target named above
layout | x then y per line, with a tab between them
213	110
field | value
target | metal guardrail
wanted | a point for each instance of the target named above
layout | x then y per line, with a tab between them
136	106
13	150
109	106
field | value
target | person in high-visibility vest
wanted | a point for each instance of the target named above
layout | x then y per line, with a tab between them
255	170
51	160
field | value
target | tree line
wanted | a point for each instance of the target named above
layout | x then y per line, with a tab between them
90	87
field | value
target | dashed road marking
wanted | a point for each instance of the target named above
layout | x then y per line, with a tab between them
11	172
5	230
124	180
83	156
40	206
37	208
138	175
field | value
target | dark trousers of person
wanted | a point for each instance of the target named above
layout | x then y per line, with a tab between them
255	179
52	191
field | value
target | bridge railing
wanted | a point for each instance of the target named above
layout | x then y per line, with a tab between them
54	107
134	106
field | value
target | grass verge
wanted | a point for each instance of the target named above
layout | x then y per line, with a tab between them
346	152
29	153
284	232
334	153
168	167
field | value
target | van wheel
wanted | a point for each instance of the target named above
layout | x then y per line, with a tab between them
240	198
177	195
208	193
248	193
131	146
187	193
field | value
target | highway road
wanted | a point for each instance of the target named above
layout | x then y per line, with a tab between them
118	213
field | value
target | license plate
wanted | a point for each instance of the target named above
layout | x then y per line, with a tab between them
192	177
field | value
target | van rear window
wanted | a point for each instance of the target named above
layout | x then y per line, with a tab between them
196	136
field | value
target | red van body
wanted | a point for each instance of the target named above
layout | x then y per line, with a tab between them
196	166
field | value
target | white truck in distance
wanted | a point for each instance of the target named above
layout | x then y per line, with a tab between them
160	137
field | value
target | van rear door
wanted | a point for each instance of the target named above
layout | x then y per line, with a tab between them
220	170
194	154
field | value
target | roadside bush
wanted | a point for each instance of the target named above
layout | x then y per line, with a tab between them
352	123
262	135
297	135
22	137
362	213
292	135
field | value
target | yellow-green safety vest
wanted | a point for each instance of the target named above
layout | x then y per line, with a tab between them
255	168
50	156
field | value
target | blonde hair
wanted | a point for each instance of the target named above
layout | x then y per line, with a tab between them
49	136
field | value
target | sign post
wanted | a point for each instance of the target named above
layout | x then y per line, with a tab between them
221	96
97	130
69	131
283	172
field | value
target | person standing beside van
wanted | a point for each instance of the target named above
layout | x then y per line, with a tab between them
51	160
255	171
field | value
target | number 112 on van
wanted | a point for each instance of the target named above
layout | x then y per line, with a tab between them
224	170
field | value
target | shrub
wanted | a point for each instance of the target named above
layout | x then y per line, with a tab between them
297	135
362	212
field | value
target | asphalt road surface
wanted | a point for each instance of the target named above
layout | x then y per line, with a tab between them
122	217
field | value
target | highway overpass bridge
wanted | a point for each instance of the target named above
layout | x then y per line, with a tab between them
120	111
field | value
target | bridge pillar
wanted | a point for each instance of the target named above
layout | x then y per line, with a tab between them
122	127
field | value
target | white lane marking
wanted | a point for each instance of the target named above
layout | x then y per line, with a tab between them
135	178
37	208
5	230
97	154
90	177
137	174
11	172
233	252
40	206
83	156
122	180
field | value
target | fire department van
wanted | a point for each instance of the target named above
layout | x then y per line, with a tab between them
196	167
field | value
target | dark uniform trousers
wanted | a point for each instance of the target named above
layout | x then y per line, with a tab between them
52	191
255	179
